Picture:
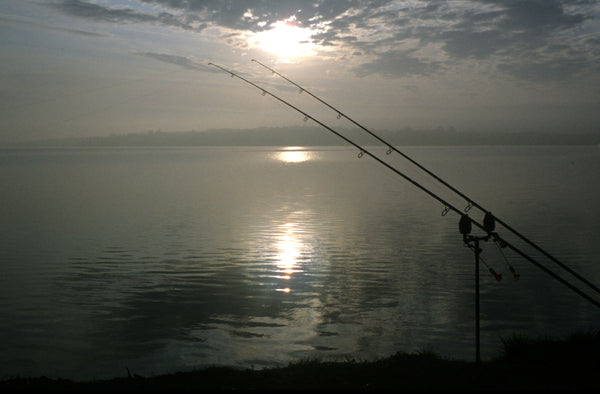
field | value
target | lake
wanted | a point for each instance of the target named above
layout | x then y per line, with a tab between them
160	260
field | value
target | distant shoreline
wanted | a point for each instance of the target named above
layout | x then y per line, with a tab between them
312	136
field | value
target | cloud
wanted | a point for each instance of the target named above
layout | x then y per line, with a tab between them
177	60
98	13
524	39
230	13
30	22
509	28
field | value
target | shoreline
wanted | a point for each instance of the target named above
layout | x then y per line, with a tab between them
526	363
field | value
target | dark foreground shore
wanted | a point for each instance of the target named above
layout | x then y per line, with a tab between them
528	364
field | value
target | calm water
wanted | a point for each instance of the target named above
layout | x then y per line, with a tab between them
170	259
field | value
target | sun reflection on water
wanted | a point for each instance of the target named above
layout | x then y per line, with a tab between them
294	154
289	249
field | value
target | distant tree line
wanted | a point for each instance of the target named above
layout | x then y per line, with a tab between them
315	136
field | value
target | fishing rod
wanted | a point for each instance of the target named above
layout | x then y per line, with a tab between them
362	151
447	206
471	202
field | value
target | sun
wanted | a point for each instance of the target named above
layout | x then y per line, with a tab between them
286	39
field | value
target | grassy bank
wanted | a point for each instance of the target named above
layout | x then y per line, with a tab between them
569	363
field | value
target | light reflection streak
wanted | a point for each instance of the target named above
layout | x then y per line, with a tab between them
294	154
281	248
289	249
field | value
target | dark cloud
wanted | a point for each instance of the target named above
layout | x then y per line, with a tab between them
177	60
511	27
463	44
537	16
92	11
86	10
528	33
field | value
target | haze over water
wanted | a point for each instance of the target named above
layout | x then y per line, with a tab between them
168	259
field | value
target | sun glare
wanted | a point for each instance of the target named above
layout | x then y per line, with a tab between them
286	39
293	154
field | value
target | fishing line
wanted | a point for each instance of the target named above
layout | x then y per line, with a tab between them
497	276
447	206
470	202
516	275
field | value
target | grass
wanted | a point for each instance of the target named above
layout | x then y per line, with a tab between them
543	363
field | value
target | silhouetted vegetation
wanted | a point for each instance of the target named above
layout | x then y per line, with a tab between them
525	363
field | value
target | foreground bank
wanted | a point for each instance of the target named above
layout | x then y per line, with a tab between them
540	363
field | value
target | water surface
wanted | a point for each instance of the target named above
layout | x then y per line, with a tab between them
168	259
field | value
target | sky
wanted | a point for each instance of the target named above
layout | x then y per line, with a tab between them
79	68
